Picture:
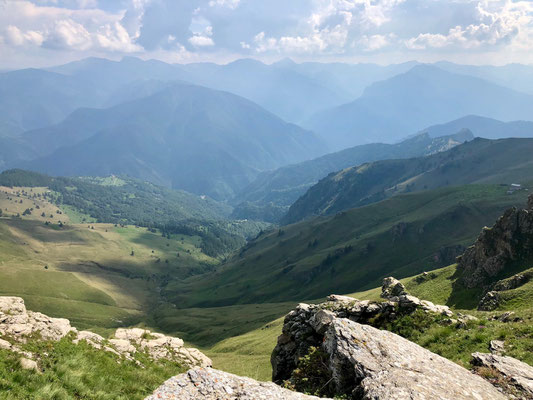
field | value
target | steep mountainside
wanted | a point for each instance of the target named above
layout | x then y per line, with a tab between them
274	191
187	137
401	236
391	109
502	161
508	244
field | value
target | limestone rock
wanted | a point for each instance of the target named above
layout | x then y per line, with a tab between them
436	308
497	347
491	301
505	317
123	346
518	373
157	346
513	282
19	323
374	364
211	384
340	299
392	288
91	338
5	345
26	363
368	363
509	240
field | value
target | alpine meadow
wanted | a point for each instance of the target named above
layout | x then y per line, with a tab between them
251	199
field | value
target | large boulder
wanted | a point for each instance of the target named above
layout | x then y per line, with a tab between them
508	241
211	384
514	376
392	288
363	362
17	322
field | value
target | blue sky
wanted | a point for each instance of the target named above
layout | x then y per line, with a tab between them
45	32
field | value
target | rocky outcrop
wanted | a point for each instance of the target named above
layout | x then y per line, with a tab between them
157	346
362	362
490	301
392	287
18	324
512	375
210	384
509	241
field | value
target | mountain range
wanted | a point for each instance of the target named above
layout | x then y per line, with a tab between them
503	161
391	109
272	192
187	137
101	117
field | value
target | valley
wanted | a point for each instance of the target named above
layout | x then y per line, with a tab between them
102	275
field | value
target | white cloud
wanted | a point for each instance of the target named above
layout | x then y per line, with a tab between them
225	3
14	36
68	34
59	28
305	29
498	23
376	42
201	41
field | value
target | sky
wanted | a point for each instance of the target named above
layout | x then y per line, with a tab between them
36	33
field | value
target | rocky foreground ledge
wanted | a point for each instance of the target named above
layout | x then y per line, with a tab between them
17	325
210	384
362	362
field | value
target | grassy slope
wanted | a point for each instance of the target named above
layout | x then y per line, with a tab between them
352	251
458	344
79	372
89	275
121	289
248	354
483	161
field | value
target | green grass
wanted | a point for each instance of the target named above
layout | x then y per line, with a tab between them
79	372
351	251
457	344
248	354
89	275
77	217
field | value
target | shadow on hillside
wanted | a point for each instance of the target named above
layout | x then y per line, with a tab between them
461	297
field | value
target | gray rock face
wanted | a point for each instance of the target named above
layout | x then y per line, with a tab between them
392	287
211	384
159	346
18	322
519	375
509	240
490	301
368	363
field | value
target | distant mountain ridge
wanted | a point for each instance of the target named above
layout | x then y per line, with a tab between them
484	127
185	136
272	192
503	161
391	109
